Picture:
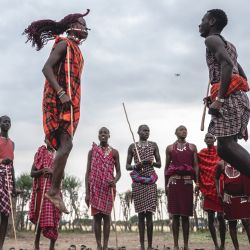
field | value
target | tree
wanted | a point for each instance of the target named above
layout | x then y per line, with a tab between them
125	202
24	183
70	188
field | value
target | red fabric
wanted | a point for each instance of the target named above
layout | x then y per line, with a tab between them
180	197
6	148
50	215
102	169
208	159
237	83
181	161
213	203
54	117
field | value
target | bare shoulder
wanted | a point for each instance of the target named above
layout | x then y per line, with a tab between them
214	41
169	148
115	152
193	147
154	144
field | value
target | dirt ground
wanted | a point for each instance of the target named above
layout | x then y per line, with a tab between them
130	240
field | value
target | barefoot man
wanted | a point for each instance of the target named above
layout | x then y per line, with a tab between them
144	189
208	160
180	171
229	102
7	177
62	90
42	173
100	185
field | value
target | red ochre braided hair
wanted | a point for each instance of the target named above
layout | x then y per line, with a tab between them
41	31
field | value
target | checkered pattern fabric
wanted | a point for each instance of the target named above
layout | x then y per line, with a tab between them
5	176
50	215
144	195
208	160
214	67
233	117
54	116
102	170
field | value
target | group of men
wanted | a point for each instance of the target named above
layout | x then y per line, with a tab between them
229	163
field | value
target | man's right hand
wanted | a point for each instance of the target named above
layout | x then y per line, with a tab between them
65	99
47	172
87	199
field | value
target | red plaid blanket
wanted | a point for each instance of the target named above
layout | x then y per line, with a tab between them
102	169
237	83
5	174
208	159
50	215
54	117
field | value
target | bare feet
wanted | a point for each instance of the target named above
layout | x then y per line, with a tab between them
57	201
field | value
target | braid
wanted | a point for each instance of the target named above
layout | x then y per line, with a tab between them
40	32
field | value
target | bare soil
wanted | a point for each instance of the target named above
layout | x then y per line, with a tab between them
130	240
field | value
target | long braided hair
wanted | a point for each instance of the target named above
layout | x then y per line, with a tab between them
41	31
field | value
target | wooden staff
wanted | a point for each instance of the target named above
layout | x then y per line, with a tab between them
11	205
113	203
41	206
70	95
136	149
205	109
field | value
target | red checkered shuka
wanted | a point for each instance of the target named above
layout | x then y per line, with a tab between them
208	159
50	215
102	170
237	83
54	116
5	187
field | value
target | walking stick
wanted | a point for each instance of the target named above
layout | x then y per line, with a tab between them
136	149
11	206
113	203
70	95
204	109
41	206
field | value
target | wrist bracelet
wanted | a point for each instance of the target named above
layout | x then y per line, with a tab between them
59	91
62	94
222	100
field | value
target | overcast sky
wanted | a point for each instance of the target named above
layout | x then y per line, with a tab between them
132	54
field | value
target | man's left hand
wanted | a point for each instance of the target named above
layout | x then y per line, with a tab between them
111	183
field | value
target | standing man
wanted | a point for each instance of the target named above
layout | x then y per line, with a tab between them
62	90
236	199
7	176
42	172
100	185
229	103
144	189
208	161
180	171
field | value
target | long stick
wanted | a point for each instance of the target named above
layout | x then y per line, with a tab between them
70	95
11	206
41	206
136	149
204	109
113	203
